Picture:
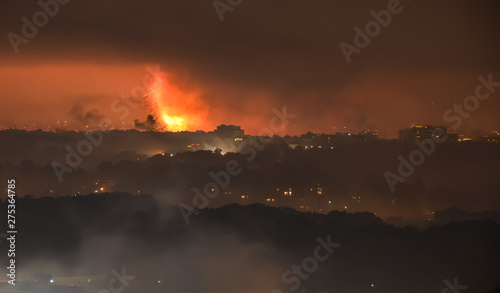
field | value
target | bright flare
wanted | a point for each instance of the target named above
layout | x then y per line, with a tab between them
174	108
174	123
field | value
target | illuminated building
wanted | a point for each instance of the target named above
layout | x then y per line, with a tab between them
421	133
229	131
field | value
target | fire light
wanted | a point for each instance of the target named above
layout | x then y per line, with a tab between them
175	109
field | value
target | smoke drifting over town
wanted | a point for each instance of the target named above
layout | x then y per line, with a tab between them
91	117
149	124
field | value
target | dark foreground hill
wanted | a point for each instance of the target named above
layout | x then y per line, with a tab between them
237	248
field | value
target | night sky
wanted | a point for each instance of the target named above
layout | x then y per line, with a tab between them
264	54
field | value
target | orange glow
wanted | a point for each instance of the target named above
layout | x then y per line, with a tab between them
176	109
